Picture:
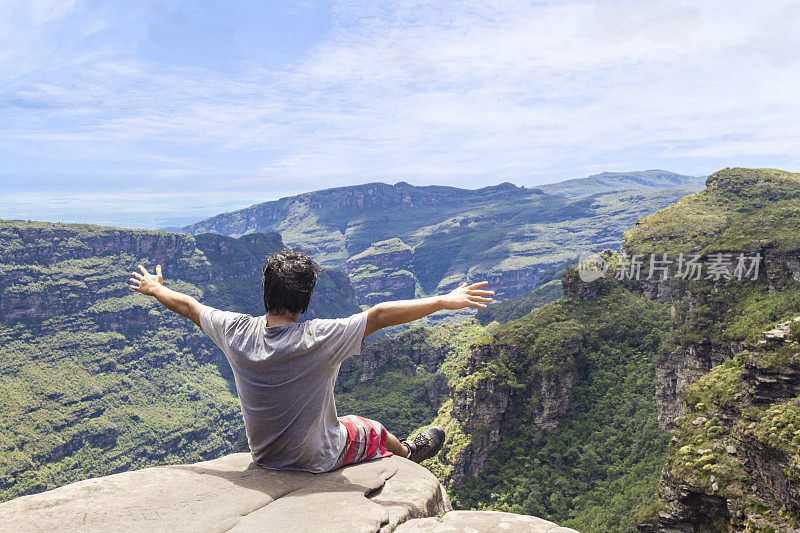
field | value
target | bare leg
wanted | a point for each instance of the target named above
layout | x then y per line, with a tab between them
394	445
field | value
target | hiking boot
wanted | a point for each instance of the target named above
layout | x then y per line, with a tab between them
425	445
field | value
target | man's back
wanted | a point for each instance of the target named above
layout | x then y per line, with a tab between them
285	377
285	373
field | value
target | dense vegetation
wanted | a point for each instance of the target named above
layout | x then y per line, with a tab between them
515	308
741	209
135	385
603	460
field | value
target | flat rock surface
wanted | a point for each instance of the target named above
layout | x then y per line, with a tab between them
234	494
480	522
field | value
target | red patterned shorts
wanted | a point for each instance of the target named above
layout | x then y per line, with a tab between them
366	439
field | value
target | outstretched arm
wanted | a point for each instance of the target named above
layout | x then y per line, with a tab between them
387	314
153	285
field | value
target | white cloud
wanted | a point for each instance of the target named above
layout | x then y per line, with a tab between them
445	92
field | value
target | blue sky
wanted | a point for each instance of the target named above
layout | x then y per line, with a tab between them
146	114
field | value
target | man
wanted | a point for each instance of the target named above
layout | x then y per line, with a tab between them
285	370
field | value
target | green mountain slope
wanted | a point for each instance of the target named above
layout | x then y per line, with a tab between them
729	389
506	234
515	308
554	414
95	379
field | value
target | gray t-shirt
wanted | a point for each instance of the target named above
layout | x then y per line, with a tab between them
285	377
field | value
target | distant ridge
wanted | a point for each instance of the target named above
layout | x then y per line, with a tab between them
401	240
643	180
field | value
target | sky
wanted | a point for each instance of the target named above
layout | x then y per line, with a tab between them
153	114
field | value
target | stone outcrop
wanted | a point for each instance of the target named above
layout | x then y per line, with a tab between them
678	370
742	211
480	407
234	494
479	521
485	397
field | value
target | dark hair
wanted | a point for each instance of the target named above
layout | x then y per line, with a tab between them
289	279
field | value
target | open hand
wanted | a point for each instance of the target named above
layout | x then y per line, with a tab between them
146	283
468	296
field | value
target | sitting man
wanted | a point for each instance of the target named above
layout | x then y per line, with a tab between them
285	370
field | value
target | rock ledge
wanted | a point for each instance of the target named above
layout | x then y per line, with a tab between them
234	494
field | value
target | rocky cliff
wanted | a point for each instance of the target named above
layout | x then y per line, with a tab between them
724	386
700	311
587	359
56	269
233	494
732	464
749	213
403	381
383	272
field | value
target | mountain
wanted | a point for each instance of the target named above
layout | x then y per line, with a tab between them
96	379
645	180
668	404
397	241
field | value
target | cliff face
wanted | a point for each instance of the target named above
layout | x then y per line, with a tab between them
586	359
489	389
29	252
80	258
427	348
725	387
732	463
403	381
97	379
483	391
698	308
742	211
